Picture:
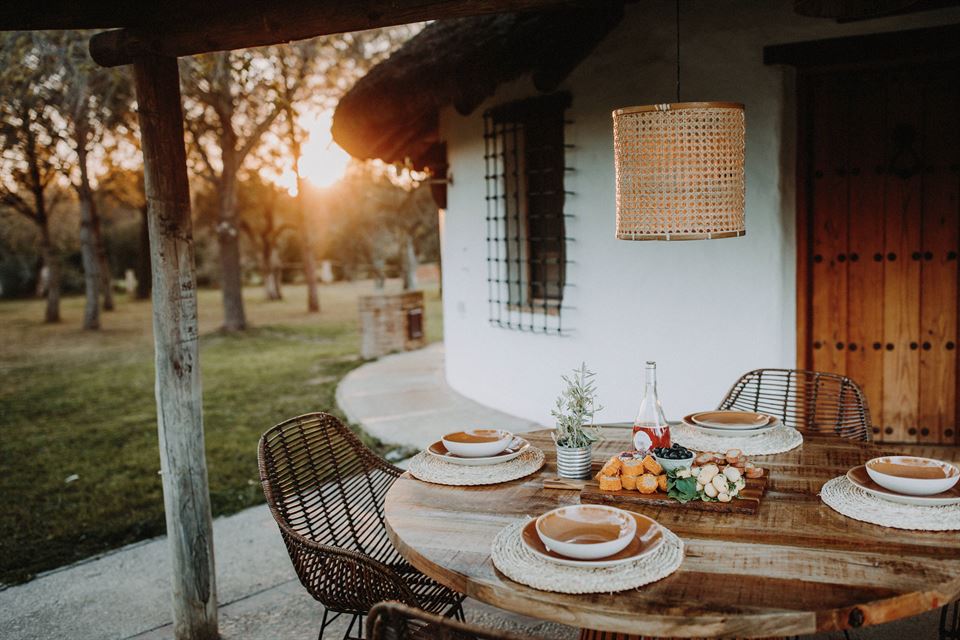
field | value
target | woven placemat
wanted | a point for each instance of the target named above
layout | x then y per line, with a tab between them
428	468
518	563
774	441
846	498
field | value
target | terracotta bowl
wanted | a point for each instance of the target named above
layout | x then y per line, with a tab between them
477	443
586	531
913	476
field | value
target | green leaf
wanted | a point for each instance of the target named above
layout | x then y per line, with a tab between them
681	489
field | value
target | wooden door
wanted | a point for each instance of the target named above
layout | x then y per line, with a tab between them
880	171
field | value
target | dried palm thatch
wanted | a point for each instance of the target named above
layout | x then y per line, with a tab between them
392	112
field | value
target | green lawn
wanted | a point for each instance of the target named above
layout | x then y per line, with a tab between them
81	404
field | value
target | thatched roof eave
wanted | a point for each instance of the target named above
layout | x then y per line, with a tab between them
392	113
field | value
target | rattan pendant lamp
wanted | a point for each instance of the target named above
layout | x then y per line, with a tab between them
679	169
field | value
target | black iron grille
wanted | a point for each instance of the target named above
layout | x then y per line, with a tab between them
525	158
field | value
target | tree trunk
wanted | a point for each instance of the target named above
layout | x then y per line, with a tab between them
107	284
143	258
52	264
379	273
306	232
228	236
269	271
410	265
186	493
309	260
88	247
108	304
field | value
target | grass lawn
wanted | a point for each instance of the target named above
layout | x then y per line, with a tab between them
79	458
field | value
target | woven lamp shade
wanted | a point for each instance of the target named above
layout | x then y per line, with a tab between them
679	171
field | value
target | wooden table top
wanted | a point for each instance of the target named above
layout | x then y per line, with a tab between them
796	567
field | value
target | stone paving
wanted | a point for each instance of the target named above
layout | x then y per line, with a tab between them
404	399
124	594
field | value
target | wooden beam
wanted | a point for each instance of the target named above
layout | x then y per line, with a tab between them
183	465
852	10
915	44
261	24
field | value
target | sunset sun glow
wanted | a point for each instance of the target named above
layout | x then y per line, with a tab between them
323	162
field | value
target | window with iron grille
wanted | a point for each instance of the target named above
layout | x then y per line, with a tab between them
525	158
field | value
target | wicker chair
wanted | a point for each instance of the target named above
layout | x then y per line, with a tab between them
326	490
950	621
395	621
811	401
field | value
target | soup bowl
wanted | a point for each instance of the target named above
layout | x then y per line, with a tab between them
586	531
477	443
913	476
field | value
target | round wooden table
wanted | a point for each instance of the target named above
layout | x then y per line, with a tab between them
796	567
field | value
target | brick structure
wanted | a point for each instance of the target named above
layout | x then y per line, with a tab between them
391	322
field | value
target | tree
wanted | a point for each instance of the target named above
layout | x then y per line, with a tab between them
314	75
93	101
27	139
124	187
229	106
385	215
264	206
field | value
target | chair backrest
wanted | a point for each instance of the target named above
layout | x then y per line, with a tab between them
395	621
326	485
810	401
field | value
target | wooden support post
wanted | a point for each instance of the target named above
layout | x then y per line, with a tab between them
186	495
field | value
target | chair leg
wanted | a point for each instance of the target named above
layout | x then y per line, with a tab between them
329	619
950	621
357	619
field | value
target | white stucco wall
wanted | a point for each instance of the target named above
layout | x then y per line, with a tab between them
706	311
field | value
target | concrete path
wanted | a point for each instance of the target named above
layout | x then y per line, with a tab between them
402	399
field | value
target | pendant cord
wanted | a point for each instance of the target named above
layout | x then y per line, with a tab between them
678	50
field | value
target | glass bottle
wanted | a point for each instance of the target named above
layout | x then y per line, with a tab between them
650	429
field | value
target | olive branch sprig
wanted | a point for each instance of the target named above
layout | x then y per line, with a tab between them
576	407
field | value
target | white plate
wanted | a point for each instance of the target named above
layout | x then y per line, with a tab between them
518	446
733	433
858	476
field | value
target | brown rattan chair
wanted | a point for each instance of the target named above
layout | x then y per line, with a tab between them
810	401
395	621
950	621
326	490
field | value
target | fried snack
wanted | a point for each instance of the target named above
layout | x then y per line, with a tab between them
752	471
632	467
647	483
662	482
703	459
733	455
611	467
629	482
650	464
610	483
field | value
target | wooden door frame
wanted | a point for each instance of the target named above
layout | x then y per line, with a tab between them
873	51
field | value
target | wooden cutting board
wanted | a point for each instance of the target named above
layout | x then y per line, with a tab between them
747	502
